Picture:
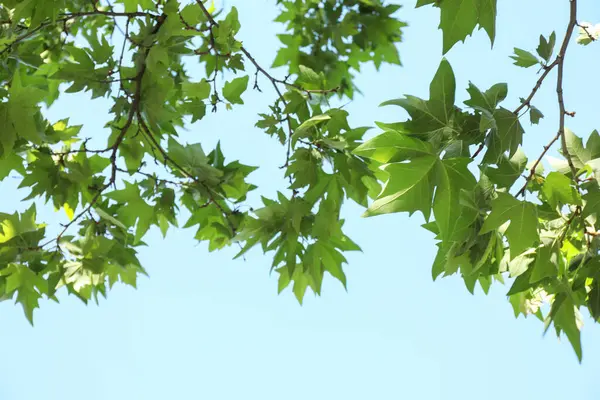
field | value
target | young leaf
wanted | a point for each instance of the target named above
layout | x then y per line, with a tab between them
522	232
535	115
546	47
558	190
524	58
233	90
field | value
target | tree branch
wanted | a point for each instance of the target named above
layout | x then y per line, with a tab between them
559	85
559	63
547	69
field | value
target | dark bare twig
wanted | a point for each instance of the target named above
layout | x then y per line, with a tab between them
587	32
547	69
479	149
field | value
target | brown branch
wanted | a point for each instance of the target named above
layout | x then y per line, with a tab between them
75	151
559	85
122	55
479	149
538	85
559	63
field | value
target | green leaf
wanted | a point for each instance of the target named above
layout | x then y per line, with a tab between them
300	284
593	300
565	320
284	279
546	264
488	100
11	161
194	161
535	115
192	14
520	285
197	90
506	135
104	215
134	208
459	19
18	118
21	226
592	203
305	128
524	58
522	232
28	285
432	119
442	91
519	264
546	47
508	170
580	154
393	146
233	90
558	190
453	176
409	188
309	76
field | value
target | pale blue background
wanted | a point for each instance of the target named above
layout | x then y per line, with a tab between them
206	327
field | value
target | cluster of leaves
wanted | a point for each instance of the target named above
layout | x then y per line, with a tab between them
137	54
335	37
460	164
457	165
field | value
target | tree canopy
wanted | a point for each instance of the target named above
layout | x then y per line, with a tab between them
495	212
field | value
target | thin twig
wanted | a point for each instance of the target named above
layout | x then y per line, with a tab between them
547	69
587	32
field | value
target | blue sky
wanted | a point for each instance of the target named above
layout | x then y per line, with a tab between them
205	327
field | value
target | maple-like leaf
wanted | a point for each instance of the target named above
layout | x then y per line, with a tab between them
522	232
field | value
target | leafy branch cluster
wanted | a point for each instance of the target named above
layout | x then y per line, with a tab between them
548	245
457	165
136	53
